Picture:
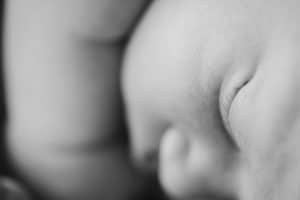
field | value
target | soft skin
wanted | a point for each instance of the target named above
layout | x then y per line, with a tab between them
65	130
213	86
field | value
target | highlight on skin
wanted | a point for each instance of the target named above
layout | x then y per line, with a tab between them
226	76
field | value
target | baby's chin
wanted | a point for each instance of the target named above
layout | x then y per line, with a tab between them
192	168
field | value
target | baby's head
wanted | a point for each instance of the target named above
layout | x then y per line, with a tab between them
214	88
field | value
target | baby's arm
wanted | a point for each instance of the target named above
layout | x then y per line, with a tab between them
62	64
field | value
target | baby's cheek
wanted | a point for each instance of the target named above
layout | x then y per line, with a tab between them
172	77
168	93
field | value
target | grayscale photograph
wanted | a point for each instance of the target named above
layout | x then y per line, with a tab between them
150	100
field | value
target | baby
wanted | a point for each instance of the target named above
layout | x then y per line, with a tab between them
211	92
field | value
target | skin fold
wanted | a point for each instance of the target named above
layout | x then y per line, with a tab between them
213	86
210	88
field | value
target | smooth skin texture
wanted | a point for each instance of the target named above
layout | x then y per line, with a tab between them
210	86
214	85
65	132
